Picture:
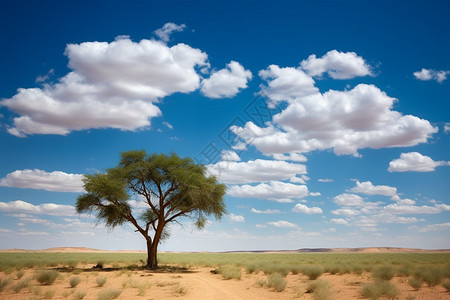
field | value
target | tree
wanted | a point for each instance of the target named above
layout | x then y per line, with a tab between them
171	186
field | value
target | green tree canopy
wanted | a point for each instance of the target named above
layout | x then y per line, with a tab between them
171	186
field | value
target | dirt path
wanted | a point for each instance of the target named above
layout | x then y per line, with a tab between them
209	287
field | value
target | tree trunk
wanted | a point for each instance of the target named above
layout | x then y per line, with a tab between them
152	258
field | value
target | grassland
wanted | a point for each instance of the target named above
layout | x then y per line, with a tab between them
313	275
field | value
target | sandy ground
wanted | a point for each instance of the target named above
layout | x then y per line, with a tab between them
200	283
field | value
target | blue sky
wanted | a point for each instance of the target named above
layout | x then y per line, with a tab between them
328	122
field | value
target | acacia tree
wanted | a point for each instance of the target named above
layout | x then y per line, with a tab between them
171	186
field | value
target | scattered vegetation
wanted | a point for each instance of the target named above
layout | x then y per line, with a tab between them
313	271
276	281
446	285
23	283
100	280
79	295
74	281
379	288
230	272
415	283
430	274
46	277
20	274
109	294
320	289
49	294
261	282
4	282
383	273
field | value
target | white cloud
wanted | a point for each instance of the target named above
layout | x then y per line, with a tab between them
344	121
446	127
267	211
338	65
368	188
111	85
435	227
325	180
227	82
348	200
430	74
53	209
300	208
345	212
291	156
402	209
274	190
229	155
168	125
415	162
255	170
168	28
339	221
282	224
56	181
286	84
236	218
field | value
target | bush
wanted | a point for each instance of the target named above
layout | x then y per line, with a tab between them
100	280
47	277
313	272
446	285
431	275
383	273
230	272
276	281
109	294
4	282
21	285
380	288
79	295
20	274
320	289
415	283
74	281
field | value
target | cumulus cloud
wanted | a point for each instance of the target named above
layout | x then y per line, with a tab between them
255	170
56	181
286	84
282	224
53	209
273	190
415	162
338	65
290	156
400	208
344	121
236	218
339	221
112	85
267	211
229	155
226	83
348	200
446	127
300	208
430	74
435	227
345	212
168	28
325	180
368	188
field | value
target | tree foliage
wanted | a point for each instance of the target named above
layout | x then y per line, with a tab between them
171	186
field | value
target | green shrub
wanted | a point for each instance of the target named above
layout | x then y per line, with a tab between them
24	283
431	275
276	281
20	274
109	294
46	277
4	282
383	273
79	295
49	294
446	285
320	289
74	281
252	268
313	272
100	280
415	283
379	288
230	272
261	282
